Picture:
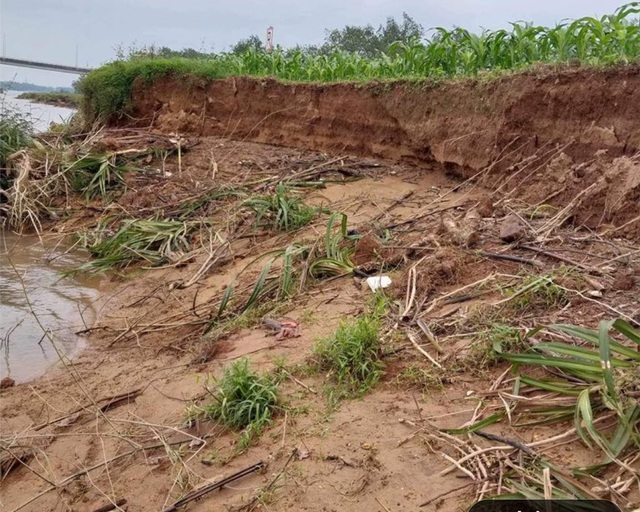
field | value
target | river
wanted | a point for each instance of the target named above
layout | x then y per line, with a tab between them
41	115
40	311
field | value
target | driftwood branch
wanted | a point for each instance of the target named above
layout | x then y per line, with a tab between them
111	402
198	493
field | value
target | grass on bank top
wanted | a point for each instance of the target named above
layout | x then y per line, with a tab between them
614	38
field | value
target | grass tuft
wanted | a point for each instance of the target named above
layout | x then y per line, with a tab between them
352	356
15	133
244	400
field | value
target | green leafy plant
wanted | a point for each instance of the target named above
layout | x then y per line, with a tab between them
492	343
536	292
150	240
244	400
96	174
352	356
15	132
282	209
599	375
335	256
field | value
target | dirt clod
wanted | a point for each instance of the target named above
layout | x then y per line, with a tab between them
7	382
624	282
512	229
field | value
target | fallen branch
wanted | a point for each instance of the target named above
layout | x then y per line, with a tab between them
112	401
564	259
112	506
198	493
422	351
509	257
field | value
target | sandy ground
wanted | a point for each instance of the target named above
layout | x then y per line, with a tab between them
87	446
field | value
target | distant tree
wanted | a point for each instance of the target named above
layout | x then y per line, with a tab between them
251	42
368	41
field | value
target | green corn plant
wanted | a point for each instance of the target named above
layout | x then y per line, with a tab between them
151	241
96	175
602	375
336	260
282	210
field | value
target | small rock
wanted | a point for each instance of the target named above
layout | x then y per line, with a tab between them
512	229
624	282
7	382
485	207
366	446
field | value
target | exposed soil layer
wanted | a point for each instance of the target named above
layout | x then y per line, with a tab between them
545	128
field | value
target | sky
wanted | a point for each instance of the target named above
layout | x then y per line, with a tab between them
52	30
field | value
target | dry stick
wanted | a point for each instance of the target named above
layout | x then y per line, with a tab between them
613	230
382	505
95	466
299	383
112	506
560	217
252	503
508	257
435	301
393	205
512	442
430	336
111	401
564	259
209	262
630	319
422	351
455	489
192	496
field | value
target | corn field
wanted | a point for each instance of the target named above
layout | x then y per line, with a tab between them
612	39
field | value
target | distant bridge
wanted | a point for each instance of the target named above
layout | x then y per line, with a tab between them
44	65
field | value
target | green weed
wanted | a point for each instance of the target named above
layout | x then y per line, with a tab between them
419	376
152	241
351	357
490	344
244	400
15	133
536	292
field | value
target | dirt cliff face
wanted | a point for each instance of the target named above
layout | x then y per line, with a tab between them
509	129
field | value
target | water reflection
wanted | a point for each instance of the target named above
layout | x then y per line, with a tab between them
35	299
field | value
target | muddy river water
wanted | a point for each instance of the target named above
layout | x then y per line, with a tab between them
40	311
